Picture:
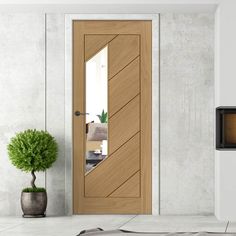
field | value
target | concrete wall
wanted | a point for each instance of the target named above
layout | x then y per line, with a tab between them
187	114
22	96
55	108
32	96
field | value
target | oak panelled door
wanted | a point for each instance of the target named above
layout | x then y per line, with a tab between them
112	117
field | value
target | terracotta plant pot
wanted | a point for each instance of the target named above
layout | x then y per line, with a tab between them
33	204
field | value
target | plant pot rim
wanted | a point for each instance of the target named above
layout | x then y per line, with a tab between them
34	192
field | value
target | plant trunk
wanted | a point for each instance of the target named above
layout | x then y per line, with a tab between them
33	179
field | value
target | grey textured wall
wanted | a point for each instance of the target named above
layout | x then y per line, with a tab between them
22	96
55	109
31	96
32	86
187	114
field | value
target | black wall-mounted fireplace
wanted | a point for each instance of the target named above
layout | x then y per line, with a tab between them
226	128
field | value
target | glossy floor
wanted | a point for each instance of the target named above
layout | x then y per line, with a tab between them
66	226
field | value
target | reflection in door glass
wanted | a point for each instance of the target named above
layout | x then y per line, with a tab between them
96	107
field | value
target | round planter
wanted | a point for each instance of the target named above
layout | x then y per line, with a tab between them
33	204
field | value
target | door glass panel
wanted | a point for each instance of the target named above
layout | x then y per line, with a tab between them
96	109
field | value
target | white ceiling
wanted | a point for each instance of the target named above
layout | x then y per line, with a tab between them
97	2
109	6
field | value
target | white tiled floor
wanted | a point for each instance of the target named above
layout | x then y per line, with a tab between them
175	224
71	226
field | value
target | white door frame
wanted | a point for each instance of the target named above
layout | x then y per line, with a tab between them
69	102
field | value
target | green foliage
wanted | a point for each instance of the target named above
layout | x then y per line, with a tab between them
32	150
103	117
34	190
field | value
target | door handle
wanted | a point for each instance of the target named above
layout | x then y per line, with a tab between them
78	113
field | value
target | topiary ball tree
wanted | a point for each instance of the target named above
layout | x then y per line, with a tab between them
33	151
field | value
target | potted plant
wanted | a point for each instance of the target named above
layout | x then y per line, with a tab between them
103	117
33	151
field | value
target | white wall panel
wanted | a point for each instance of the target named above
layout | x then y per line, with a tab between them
225	93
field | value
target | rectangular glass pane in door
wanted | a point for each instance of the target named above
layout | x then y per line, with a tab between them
96	109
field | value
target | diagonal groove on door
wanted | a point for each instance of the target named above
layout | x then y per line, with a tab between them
123	68
108	175
124	124
124	105
110	154
122	50
123	87
94	43
130	188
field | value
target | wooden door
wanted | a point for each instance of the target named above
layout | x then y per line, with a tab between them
121	183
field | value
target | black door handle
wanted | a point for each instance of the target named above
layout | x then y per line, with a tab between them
78	113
